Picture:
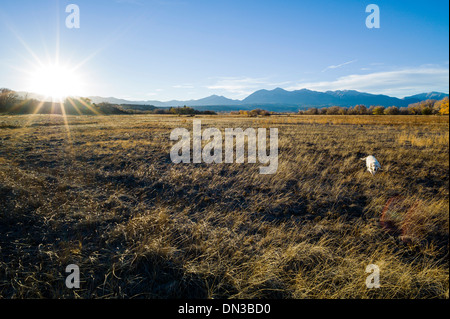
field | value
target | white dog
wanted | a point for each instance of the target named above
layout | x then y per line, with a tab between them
372	164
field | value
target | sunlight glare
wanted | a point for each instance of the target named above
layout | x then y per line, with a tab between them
56	82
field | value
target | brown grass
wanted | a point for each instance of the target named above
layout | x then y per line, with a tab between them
109	200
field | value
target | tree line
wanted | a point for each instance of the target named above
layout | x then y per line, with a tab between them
11	103
185	110
427	107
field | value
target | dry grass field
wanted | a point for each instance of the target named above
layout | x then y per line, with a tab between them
101	192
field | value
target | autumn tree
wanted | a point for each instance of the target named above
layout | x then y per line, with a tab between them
333	110
312	111
360	109
441	106
378	110
392	110
422	107
403	110
7	99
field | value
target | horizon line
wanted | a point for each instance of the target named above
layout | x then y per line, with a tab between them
240	100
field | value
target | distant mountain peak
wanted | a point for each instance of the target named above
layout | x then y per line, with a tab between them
426	96
279	99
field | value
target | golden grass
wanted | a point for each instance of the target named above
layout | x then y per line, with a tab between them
423	140
139	226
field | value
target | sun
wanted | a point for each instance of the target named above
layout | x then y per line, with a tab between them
56	82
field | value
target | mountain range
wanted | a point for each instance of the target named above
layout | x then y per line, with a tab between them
280	100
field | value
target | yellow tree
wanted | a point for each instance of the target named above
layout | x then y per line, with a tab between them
378	110
442	106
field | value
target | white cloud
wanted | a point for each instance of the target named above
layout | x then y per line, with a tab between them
397	83
184	86
337	66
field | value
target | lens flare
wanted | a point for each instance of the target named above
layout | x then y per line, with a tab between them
56	82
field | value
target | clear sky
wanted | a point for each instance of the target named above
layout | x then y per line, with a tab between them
189	49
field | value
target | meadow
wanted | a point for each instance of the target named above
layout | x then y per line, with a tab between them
101	192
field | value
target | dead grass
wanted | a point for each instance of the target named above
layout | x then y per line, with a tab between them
109	200
422	140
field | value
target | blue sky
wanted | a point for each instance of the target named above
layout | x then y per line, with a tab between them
189	49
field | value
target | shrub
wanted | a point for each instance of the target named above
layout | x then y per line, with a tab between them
311	111
427	111
257	112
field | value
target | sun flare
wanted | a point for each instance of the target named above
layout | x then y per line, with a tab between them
56	82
